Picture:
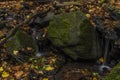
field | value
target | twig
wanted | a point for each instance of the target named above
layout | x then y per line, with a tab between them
14	30
67	4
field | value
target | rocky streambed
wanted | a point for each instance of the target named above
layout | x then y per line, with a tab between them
63	46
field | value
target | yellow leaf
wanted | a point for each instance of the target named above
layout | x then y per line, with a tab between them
94	78
12	79
27	16
45	78
1	69
52	61
32	66
88	15
101	59
101	1
5	74
15	52
29	48
49	68
36	67
41	72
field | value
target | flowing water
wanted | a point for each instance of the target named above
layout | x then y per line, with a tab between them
107	42
110	36
42	46
104	67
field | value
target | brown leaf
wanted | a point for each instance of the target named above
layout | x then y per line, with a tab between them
117	5
112	1
18	74
16	68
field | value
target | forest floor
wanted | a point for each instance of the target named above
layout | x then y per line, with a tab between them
52	66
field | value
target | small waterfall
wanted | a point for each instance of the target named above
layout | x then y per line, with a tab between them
34	36
110	36
107	42
104	65
42	44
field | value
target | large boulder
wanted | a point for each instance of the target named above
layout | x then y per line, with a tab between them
21	41
73	33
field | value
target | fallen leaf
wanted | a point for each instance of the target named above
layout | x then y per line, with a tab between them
94	78
12	79
29	48
41	72
88	15
28	16
112	1
101	59
36	67
5	74
16	68
101	1
49	68
1	69
15	52
18	74
45	78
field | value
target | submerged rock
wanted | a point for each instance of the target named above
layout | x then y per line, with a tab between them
74	35
21	40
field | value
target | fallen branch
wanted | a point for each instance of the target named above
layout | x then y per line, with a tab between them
14	30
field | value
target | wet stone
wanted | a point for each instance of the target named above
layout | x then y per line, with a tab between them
74	35
21	45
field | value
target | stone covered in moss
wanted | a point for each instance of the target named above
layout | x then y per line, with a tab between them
20	40
73	33
115	73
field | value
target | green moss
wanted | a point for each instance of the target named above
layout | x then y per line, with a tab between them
71	53
115	73
64	27
20	40
73	33
60	36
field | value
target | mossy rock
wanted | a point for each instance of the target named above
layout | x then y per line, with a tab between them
114	74
73	33
19	41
